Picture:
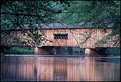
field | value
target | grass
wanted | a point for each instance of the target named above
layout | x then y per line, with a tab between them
20	50
113	51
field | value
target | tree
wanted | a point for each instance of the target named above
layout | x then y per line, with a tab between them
100	13
15	14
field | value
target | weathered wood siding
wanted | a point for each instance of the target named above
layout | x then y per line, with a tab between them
85	38
76	37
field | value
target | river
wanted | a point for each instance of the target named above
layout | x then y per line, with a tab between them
40	68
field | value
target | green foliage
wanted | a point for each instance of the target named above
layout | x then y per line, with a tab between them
70	50
113	51
30	12
6	23
102	41
20	50
36	37
100	13
15	14
113	39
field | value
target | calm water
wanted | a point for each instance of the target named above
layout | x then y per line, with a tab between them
60	68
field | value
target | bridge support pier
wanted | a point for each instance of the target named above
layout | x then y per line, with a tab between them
90	52
36	50
87	52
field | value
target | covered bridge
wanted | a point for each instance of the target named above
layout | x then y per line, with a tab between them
56	34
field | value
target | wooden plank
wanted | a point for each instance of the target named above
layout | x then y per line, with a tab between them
74	37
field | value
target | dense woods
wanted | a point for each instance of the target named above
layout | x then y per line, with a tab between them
60	40
16	14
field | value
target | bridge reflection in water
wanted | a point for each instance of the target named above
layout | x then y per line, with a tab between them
59	68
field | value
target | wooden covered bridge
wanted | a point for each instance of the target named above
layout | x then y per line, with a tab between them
56	34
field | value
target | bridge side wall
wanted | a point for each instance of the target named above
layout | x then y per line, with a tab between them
85	38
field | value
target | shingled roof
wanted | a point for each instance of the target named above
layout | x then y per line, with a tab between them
63	25
59	25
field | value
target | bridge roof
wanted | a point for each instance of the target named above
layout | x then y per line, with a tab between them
57	26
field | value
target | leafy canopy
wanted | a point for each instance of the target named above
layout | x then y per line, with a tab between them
100	13
15	13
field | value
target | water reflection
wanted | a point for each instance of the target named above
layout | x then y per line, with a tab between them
59	69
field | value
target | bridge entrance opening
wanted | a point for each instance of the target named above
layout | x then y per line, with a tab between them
60	50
